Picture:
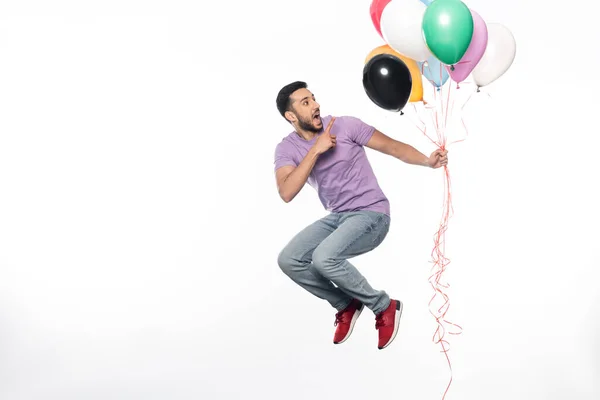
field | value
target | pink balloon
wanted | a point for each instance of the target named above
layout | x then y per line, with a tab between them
475	51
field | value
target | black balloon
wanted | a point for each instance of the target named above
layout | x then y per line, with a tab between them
387	81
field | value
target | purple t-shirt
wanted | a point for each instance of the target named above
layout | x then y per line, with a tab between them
342	176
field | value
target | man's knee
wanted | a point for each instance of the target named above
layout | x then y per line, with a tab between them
323	261
284	260
289	262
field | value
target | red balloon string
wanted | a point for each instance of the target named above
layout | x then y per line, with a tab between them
439	259
440	264
462	120
439	303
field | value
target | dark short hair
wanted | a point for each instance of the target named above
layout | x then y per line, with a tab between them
284	101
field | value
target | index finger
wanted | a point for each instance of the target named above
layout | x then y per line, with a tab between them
329	124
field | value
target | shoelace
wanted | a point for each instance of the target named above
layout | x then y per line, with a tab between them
380	321
338	318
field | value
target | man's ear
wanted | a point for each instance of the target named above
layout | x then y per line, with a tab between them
290	116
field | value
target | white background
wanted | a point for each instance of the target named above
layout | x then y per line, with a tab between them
140	223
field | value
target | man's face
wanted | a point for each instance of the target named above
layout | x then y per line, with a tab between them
306	111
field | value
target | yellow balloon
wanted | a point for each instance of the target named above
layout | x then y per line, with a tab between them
416	94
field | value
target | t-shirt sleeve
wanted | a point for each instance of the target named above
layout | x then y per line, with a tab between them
359	131
283	156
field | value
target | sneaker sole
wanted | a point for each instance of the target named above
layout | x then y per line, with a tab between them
399	307
354	319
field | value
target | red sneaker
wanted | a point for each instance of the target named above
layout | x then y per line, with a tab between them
345	320
387	321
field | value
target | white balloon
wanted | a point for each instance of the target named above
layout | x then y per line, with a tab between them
402	28
498	57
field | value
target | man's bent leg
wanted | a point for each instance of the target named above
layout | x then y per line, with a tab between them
295	261
357	233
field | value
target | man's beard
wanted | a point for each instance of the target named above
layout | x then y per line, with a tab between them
307	125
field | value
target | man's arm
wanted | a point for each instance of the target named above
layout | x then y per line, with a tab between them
405	152
290	179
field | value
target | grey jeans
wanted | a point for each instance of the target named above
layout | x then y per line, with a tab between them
317	258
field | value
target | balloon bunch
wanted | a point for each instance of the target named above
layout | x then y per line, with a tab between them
435	39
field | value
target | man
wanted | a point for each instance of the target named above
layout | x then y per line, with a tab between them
334	162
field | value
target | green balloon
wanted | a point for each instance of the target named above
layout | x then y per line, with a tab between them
448	29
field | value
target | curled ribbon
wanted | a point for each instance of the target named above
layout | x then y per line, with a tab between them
440	110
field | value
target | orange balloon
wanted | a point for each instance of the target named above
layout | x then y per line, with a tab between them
416	94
